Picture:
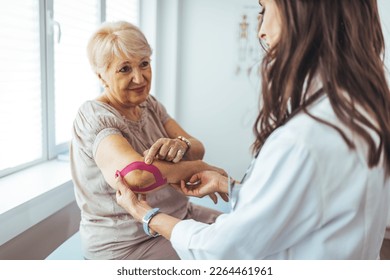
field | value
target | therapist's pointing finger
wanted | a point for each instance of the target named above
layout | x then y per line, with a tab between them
120	189
224	196
213	198
124	195
119	183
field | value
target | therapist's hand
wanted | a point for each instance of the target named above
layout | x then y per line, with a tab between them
167	149
136	205
206	183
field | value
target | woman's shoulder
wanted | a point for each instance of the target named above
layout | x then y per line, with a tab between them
97	110
151	102
93	113
155	107
95	106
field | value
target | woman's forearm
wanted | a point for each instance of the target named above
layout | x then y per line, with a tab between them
196	151
175	172
115	153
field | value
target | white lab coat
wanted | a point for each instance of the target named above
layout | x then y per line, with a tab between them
308	197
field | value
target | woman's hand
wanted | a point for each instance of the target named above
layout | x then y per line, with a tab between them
166	149
206	183
194	168
136	205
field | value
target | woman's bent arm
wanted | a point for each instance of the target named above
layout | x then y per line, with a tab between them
114	153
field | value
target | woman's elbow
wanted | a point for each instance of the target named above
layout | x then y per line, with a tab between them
139	179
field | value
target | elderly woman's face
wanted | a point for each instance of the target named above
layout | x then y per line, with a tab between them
270	22
128	80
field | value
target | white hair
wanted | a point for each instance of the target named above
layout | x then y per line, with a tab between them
116	39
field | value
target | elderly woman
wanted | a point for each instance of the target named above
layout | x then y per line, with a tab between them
115	130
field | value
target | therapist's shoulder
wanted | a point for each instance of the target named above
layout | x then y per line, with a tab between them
306	129
305	136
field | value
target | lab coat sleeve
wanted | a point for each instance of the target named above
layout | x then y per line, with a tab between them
278	206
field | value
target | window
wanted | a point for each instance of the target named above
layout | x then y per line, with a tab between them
122	10
73	23
21	112
44	73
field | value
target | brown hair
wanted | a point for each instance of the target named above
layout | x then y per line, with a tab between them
342	42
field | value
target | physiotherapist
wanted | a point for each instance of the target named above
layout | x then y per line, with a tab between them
318	186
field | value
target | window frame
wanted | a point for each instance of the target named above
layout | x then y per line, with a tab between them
50	150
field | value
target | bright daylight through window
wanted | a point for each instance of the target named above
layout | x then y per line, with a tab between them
44	73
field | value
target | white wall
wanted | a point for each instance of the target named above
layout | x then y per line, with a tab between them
196	50
212	103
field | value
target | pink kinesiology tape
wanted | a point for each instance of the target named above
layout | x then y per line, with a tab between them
140	165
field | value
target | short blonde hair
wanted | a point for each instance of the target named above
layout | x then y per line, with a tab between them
116	39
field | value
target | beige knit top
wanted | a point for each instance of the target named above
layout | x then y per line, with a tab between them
107	230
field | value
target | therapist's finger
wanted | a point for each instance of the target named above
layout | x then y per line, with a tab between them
184	188
195	178
119	182
123	192
121	189
189	190
214	198
142	197
224	196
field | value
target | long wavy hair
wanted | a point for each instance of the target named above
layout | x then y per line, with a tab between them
342	42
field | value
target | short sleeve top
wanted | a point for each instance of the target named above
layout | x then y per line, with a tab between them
106	228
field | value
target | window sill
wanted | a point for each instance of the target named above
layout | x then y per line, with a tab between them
32	195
